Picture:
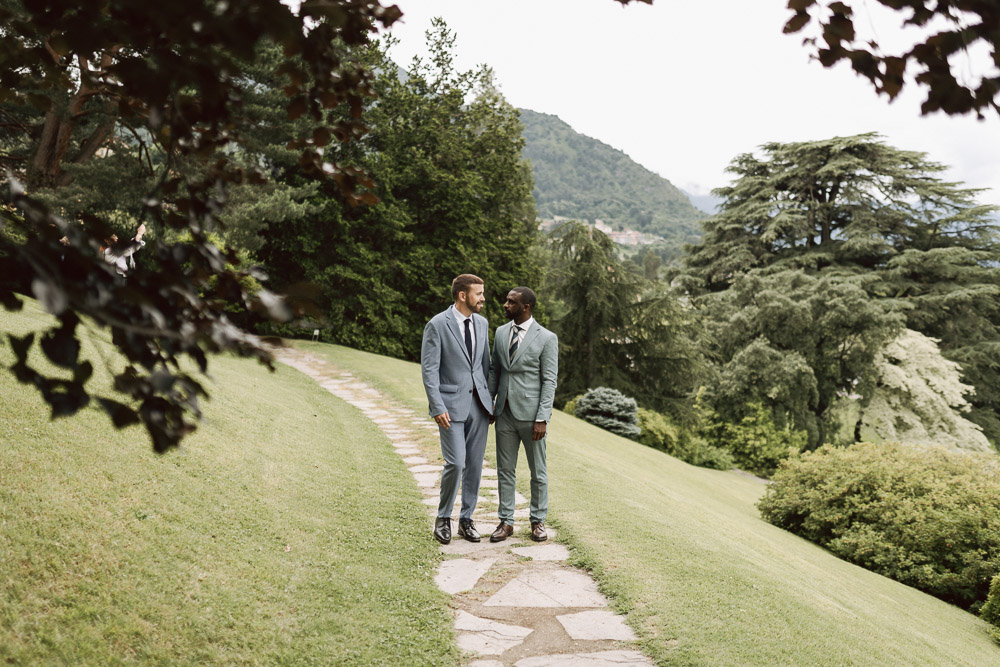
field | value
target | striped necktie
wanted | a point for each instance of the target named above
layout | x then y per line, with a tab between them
514	338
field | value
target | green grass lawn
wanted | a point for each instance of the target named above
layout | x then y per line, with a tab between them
285	531
703	579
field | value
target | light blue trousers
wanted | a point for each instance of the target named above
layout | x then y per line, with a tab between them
511	433
462	447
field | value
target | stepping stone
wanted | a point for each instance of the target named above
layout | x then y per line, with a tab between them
544	552
596	659
426	479
488	484
549	588
486	663
486	637
461	574
519	499
407	451
596	625
414	460
460	547
425	468
489	472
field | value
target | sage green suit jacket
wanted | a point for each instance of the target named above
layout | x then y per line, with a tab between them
525	385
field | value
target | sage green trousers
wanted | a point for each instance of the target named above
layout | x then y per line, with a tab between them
511	434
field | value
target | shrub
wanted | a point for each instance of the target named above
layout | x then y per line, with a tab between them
757	444
657	431
610	409
570	406
991	610
925	517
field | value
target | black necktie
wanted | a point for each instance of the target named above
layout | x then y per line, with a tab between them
514	340
468	337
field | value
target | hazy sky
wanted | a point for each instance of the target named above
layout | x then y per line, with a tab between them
685	85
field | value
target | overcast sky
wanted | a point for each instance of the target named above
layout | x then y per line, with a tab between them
685	85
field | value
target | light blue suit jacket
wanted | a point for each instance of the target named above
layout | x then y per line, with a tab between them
449	375
525	385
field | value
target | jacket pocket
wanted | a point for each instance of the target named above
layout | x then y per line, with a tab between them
448	388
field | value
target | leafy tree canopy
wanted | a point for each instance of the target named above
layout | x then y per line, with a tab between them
444	148
158	83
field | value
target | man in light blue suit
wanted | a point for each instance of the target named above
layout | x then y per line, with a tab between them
455	364
522	381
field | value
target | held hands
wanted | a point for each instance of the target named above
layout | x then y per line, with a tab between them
443	420
538	430
140	232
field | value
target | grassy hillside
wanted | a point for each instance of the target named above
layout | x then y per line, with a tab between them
582	178
262	541
703	579
287	531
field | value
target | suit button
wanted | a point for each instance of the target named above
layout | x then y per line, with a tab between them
470	391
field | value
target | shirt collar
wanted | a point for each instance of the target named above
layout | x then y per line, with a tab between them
459	316
525	325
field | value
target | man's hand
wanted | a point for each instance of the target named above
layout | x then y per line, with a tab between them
443	420
140	232
493	418
538	430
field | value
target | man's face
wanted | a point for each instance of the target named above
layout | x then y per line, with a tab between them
513	308
474	298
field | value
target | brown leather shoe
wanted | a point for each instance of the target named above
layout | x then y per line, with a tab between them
503	531
538	533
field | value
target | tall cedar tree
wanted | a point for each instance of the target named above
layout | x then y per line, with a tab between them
444	148
616	329
857	209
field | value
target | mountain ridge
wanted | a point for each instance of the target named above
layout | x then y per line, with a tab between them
583	178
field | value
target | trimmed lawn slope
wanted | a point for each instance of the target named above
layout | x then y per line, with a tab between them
285	531
703	579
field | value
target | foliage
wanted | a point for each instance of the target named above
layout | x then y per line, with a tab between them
918	397
923	516
610	409
581	178
570	407
444	148
138	81
656	430
855	211
794	343
949	88
615	328
756	443
990	611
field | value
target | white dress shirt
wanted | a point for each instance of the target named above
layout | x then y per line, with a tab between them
461	327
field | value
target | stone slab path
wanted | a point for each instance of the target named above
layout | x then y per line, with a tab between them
515	602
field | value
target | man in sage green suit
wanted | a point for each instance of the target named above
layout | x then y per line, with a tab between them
522	382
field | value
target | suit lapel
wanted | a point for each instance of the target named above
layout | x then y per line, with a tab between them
501	340
482	336
457	332
526	341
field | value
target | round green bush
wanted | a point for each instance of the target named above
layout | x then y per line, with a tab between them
926	517
611	410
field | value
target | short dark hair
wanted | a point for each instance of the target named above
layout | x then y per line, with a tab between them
527	296
462	283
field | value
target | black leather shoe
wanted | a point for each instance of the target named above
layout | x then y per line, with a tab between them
503	531
442	529
538	533
467	529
